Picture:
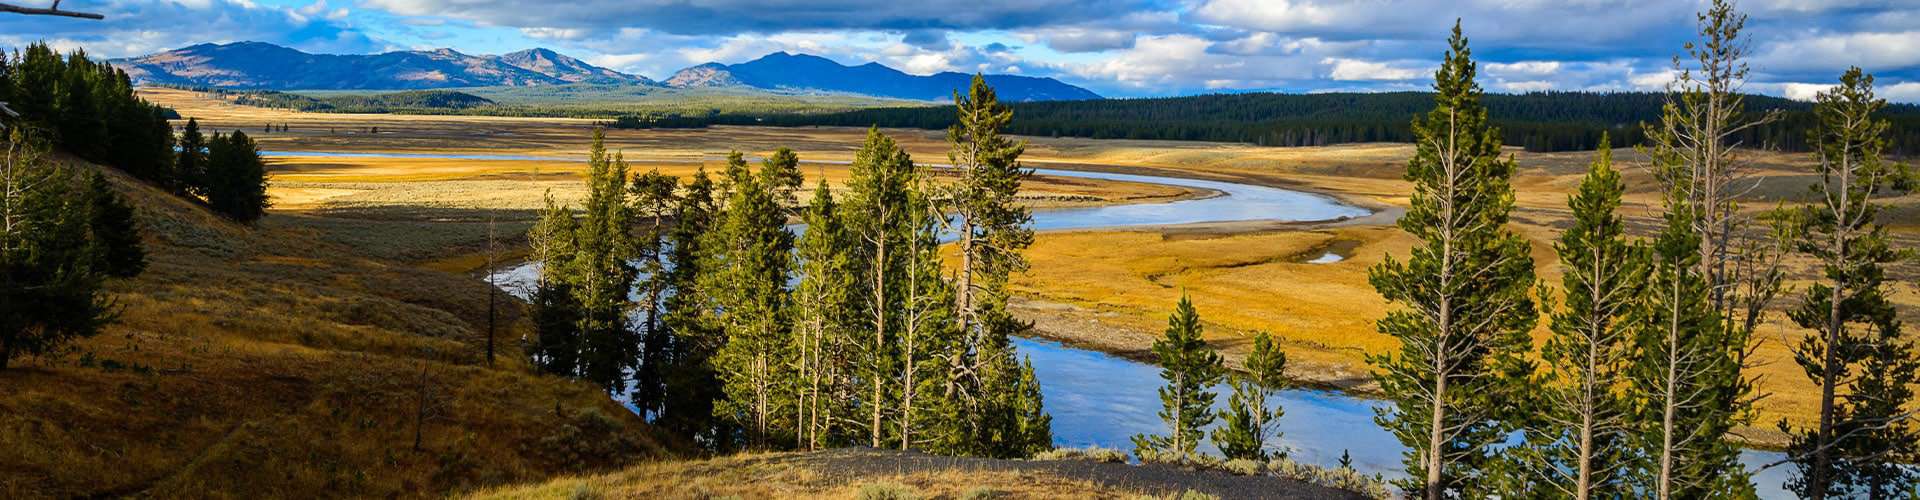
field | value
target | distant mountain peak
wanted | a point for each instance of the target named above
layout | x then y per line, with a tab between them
786	70
260	65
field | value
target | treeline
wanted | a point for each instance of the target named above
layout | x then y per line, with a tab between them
1538	121
397	102
724	326
88	108
1644	376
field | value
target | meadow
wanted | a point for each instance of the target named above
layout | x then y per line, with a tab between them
1108	289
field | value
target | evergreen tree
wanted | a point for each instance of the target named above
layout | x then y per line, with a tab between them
1034	427
236	180
1251	424
556	311
1847	310
824	308
1693	393
749	254
692	386
1679	366
602	271
1465	307
992	229
879	219
49	290
116	238
653	199
78	119
929	337
1190	368
1575	443
190	164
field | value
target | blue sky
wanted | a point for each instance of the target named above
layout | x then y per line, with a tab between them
1115	47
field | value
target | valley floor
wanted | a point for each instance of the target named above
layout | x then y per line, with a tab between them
1106	289
862	473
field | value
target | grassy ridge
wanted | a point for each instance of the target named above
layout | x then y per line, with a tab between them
580	100
278	361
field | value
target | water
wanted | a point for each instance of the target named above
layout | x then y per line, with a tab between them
1099	399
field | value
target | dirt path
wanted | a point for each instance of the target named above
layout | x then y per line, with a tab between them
854	463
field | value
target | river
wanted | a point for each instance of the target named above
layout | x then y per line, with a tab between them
1099	399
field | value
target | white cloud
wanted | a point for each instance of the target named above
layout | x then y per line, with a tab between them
1902	92
1834	52
1534	68
1359	70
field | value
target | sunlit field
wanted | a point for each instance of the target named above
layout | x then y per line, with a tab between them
1110	289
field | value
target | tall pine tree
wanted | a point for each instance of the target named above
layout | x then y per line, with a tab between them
1465	307
825	314
49	289
1190	368
1575	444
879	218
749	256
1847	311
1251	423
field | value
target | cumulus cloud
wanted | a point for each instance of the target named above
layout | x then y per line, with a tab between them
726	17
1088	40
1358	70
139	27
1834	52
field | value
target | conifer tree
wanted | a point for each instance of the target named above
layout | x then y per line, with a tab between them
190	164
1575	443
1034	426
1847	311
49	290
749	256
991	230
929	339
602	272
692	386
1465	307
1251	423
556	310
1679	367
824	309
879	218
1190	368
116	238
1686	411
653	198
236	181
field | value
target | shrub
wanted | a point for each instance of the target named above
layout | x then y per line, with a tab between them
886	491
1242	466
1090	453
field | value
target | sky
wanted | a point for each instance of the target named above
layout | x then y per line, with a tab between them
1118	48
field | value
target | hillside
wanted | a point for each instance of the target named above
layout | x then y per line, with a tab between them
255	65
293	358
865	473
265	66
781	70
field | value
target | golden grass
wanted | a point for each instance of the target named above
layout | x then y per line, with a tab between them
275	361
1111	290
793	475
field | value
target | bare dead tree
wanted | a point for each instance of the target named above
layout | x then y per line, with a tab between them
493	285
49	11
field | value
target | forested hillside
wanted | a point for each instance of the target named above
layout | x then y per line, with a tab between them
1541	121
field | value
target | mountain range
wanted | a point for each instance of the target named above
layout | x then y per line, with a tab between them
257	65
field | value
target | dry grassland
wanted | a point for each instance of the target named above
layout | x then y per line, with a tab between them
1105	289
280	361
